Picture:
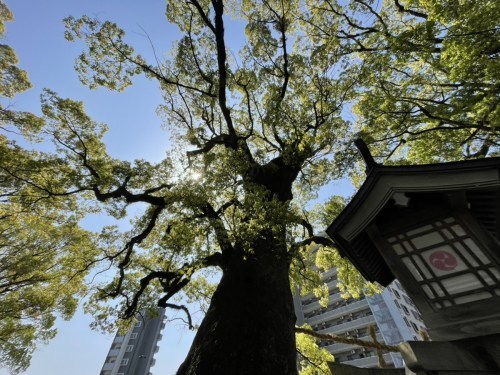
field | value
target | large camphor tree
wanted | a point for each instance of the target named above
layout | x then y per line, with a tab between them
258	132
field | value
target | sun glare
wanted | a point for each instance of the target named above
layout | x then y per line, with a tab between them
195	176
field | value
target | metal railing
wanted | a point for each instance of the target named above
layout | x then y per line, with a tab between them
353	324
335	312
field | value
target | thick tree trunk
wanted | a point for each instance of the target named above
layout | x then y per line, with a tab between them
249	327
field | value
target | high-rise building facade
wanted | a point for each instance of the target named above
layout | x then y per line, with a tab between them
133	352
392	313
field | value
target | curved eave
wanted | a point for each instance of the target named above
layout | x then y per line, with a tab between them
382	182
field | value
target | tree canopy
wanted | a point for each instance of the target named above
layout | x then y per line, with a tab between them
259	132
43	252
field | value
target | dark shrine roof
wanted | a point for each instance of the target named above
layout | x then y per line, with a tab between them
382	182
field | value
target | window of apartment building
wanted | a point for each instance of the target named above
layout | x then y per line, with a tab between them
369	353
124	362
396	293
416	315
406	321
360	332
405	309
129	348
364	353
112	360
415	327
408	300
397	304
133	335
333	291
139	323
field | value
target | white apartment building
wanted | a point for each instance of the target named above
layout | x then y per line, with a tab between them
392	313
133	353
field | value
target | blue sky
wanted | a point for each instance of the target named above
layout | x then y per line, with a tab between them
135	132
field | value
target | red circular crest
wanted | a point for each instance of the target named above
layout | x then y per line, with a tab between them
443	260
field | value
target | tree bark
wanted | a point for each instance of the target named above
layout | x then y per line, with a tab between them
249	326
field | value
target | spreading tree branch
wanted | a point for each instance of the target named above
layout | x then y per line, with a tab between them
352	341
179	307
415	13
